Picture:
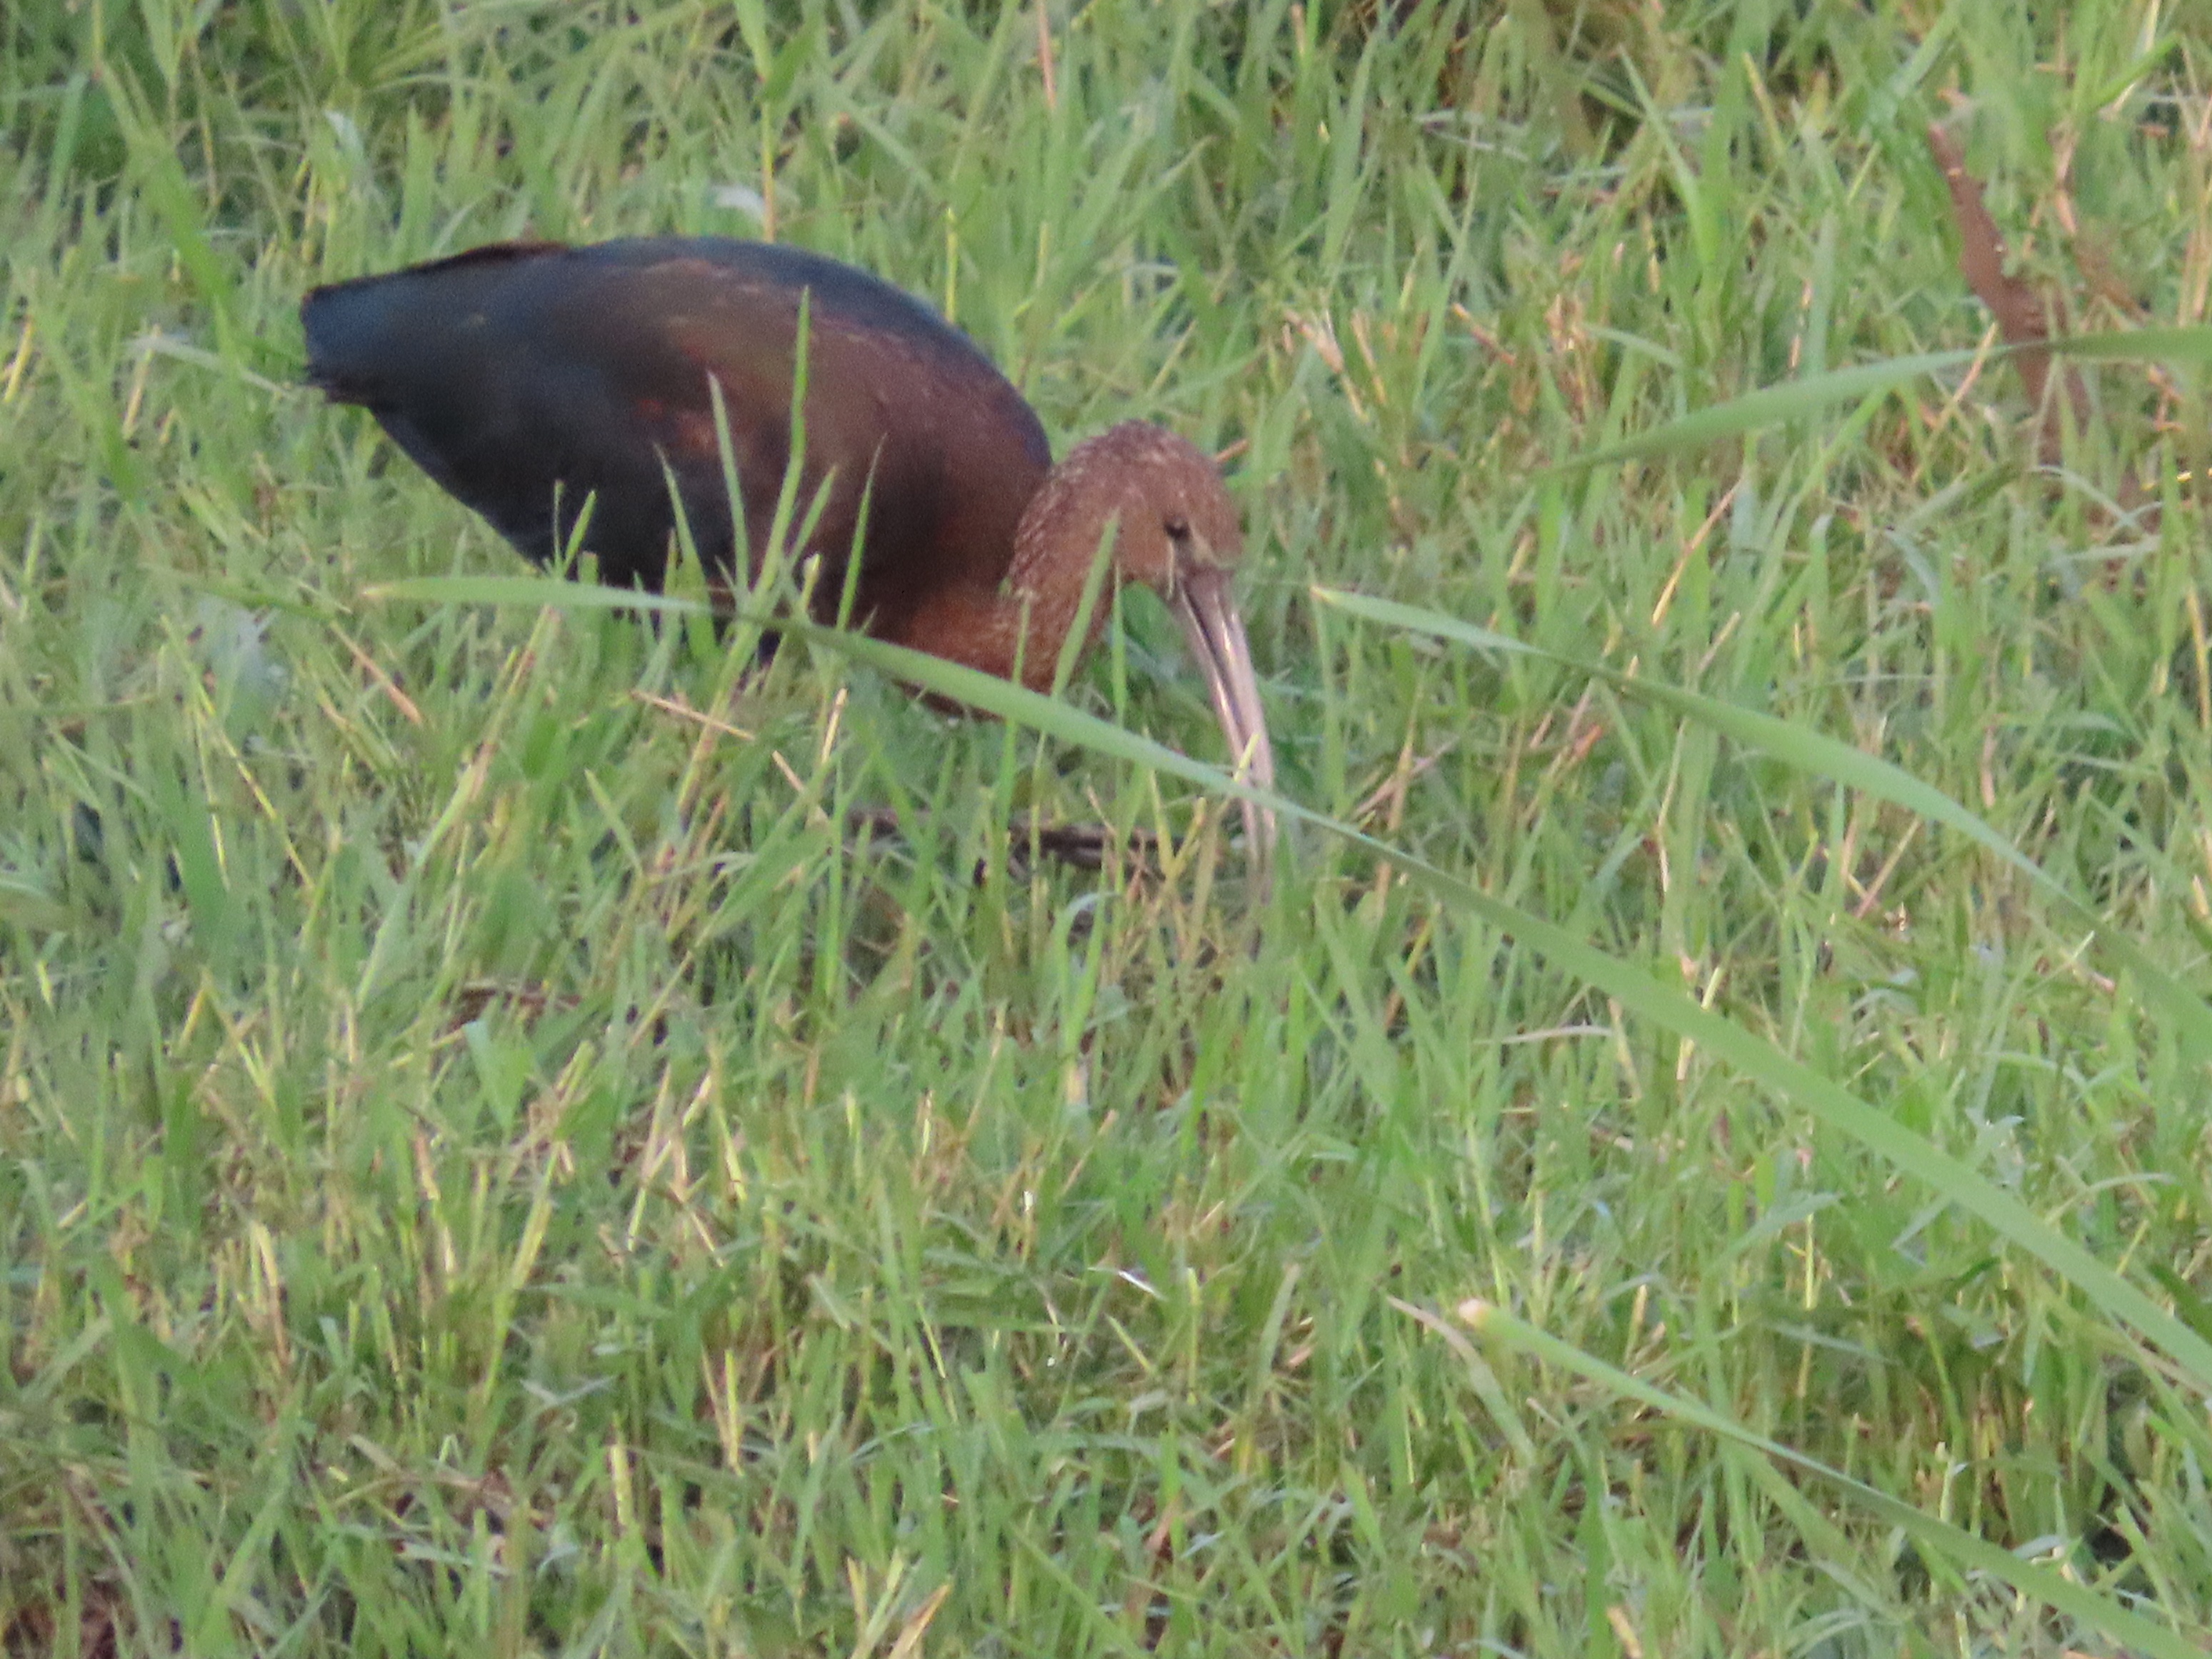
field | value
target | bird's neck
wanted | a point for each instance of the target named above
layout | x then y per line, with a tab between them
1014	632
1017	630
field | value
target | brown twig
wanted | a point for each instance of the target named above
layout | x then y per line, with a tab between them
1044	58
2020	312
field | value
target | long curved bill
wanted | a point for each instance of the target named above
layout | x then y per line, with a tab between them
1206	606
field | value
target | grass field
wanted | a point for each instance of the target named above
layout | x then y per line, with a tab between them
489	1164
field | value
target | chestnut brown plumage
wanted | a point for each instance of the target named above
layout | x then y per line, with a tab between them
529	377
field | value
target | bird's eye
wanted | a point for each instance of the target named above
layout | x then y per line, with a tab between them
1178	528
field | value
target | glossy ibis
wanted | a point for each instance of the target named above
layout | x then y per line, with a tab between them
528	377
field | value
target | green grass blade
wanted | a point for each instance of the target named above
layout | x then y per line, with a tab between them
1814	753
1795	399
546	591
2051	1588
1636	990
1770	407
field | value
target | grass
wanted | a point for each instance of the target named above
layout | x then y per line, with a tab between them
487	1161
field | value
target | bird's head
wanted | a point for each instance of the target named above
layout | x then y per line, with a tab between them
1176	533
1176	518
1173	518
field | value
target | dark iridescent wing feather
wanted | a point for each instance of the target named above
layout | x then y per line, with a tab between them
526	375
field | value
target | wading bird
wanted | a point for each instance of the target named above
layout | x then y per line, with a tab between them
526	378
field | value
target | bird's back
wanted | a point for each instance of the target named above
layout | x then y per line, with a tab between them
523	371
